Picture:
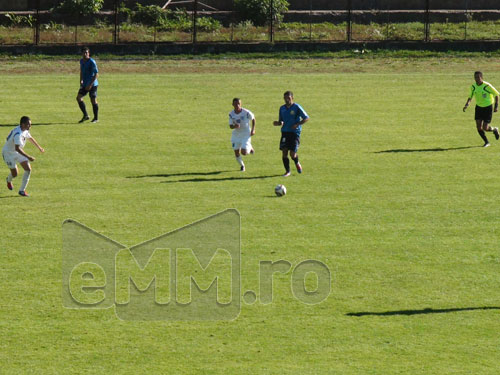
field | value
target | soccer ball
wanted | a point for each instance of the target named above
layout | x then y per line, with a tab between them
280	190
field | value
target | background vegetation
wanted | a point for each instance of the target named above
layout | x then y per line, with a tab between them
148	25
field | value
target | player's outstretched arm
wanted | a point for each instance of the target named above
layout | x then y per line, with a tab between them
278	123
40	148
496	104
252	132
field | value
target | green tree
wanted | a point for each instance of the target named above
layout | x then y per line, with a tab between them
79	7
151	15
259	11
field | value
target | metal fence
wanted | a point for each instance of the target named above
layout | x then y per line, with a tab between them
195	22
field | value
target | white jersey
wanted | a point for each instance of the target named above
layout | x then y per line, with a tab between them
16	137
243	119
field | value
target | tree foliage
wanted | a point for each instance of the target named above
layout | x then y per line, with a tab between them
79	7
259	11
151	15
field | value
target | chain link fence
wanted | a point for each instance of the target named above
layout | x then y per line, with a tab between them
193	21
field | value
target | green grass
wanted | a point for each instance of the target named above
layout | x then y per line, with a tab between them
396	198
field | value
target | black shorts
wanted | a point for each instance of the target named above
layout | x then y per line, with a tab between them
484	113
290	141
92	93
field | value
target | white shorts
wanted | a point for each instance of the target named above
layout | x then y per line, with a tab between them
244	143
11	158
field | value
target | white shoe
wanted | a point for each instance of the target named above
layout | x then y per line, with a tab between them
486	145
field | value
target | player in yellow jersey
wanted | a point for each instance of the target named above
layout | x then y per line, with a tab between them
485	94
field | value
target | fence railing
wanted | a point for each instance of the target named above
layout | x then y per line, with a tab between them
194	23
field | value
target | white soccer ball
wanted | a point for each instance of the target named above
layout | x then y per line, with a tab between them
280	190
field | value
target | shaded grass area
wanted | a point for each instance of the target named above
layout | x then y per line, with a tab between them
276	63
358	52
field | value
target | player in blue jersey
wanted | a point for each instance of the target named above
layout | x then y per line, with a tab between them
291	118
88	85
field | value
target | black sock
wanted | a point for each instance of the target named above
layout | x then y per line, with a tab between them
95	108
286	163
481	133
82	107
296	159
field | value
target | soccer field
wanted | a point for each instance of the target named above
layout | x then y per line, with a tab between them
397	198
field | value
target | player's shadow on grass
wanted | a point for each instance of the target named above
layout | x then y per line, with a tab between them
222	179
422	311
437	149
179	174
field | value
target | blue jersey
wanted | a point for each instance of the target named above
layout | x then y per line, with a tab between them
291	116
89	70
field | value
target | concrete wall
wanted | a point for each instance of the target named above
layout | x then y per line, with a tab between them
294	4
26	4
365	4
393	4
13	5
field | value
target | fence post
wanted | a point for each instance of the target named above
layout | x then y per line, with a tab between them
195	19
37	23
115	32
387	22
349	21
271	25
466	18
310	20
233	20
427	25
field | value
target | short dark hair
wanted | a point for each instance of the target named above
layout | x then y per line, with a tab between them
478	73
24	120
236	100
85	49
288	93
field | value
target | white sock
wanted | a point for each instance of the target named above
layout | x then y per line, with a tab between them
26	178
240	161
9	177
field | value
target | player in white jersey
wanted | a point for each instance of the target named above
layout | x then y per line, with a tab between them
13	153
239	120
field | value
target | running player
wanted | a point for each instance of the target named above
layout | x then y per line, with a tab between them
485	95
291	118
239	121
13	153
